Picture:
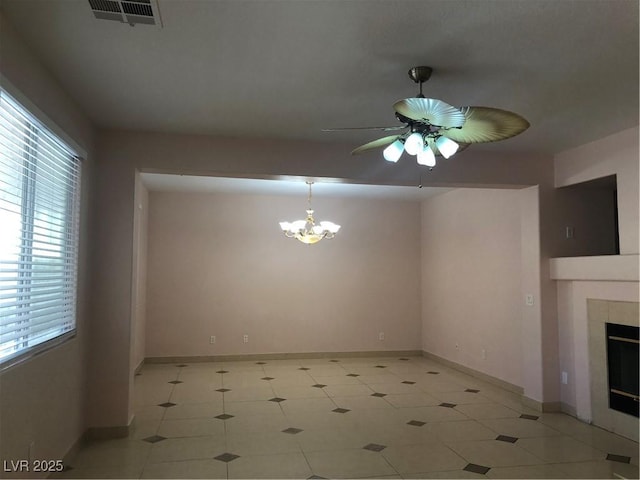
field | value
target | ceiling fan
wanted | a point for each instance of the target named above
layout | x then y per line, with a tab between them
432	127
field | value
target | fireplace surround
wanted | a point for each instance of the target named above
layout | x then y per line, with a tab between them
623	321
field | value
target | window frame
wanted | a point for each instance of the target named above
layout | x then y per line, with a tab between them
40	124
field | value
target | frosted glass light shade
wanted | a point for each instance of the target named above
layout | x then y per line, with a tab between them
414	143
298	225
446	146
426	157
330	226
393	152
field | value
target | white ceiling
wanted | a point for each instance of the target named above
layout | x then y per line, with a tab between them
289	68
296	187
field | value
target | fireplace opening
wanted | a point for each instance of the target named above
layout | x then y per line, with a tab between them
622	366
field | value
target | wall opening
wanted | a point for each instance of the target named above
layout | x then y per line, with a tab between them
588	214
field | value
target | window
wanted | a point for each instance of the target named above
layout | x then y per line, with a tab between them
39	213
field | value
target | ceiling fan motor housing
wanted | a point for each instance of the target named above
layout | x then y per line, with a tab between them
420	74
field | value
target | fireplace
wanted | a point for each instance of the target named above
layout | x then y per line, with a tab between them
613	365
622	367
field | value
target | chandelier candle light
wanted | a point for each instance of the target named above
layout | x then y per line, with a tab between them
306	230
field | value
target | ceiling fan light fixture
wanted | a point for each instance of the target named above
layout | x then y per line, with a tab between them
444	128
426	157
446	146
414	143
394	151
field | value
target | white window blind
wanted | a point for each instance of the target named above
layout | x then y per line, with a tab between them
39	214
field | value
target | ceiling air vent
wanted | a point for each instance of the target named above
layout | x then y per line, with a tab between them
127	11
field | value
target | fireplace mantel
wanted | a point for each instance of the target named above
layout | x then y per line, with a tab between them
617	268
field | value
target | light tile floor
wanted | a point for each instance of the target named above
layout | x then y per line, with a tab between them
344	418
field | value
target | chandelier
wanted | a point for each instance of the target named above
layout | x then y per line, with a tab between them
306	230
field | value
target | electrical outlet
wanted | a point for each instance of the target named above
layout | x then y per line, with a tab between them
381	336
569	232
564	378
528	299
484	354
245	338
212	339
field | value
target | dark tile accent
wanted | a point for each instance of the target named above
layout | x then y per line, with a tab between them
352	375
374	447
433	373
176	382
266	378
472	390
378	394
167	404
618	458
381	366
261	363
334	361
222	371
223	416
507	438
447	405
304	368
222	390
182	365
315	477
154	438
408	382
292	430
472	467
404	359
277	399
138	374
318	385
529	417
226	457
416	423
341	410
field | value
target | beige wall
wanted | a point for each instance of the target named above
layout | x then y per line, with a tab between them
584	278
42	400
614	155
140	230
471	280
219	265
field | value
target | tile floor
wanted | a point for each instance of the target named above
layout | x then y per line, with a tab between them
344	418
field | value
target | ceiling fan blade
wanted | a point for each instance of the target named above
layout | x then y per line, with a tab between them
381	142
383	129
431	111
485	124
